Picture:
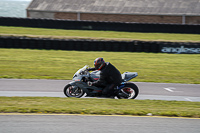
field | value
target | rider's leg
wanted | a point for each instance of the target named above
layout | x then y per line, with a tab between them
109	90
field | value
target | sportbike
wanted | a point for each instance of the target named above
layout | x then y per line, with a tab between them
79	87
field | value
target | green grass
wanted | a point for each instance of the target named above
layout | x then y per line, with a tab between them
57	64
58	33
99	106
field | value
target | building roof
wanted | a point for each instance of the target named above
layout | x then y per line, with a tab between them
147	7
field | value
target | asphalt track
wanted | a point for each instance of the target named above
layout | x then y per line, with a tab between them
54	88
31	123
95	124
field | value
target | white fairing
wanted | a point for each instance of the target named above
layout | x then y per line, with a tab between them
126	76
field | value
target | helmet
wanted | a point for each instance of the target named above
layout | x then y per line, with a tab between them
99	63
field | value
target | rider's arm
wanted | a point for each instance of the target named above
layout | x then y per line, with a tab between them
91	69
101	80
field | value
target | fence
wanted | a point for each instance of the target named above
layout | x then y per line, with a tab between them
92	25
99	45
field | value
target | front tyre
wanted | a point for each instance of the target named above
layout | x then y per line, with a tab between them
129	91
73	91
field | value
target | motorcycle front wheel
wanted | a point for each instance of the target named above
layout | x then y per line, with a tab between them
129	91
73	91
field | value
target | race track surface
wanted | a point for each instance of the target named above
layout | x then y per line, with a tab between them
54	88
95	124
52	123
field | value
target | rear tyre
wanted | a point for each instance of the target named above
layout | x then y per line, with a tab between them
73	91
129	91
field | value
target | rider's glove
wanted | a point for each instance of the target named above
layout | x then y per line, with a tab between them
89	83
88	69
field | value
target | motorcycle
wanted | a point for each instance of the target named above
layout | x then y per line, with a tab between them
79	88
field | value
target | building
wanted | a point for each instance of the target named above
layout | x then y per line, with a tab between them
141	11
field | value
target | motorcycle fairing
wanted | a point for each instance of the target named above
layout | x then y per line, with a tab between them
95	75
126	76
85	87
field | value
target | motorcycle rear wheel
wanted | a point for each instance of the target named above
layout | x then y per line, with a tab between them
73	91
130	91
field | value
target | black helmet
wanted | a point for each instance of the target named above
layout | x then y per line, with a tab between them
99	63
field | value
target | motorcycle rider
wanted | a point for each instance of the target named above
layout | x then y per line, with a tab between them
110	77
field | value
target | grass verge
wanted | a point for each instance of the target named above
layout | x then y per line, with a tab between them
99	106
56	64
102	35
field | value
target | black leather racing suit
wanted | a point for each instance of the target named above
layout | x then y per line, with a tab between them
110	77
